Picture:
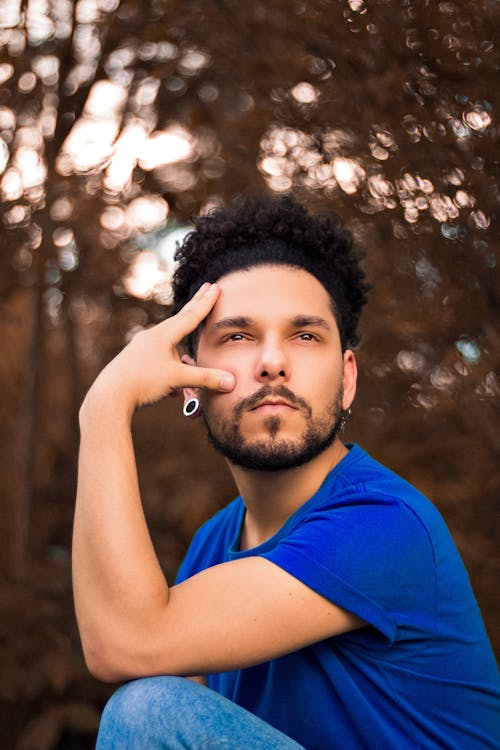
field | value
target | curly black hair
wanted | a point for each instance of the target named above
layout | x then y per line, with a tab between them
273	230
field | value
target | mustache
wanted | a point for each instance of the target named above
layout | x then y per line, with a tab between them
281	391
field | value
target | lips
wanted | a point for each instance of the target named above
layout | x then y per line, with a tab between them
273	403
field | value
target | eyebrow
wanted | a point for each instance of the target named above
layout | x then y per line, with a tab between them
306	321
299	321
239	322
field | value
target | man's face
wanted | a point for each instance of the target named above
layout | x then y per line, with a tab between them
274	329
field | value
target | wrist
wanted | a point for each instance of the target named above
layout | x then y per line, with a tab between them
105	400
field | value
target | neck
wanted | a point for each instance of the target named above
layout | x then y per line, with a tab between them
271	497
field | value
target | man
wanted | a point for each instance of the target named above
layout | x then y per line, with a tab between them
327	606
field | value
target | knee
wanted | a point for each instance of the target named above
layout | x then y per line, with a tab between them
128	704
138	707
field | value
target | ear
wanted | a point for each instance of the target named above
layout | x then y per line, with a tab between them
189	392
349	379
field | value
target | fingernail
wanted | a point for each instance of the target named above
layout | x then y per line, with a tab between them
203	288
227	383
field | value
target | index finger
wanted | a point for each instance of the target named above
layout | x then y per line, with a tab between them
194	312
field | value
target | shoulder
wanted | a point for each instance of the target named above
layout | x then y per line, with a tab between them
373	544
366	521
364	481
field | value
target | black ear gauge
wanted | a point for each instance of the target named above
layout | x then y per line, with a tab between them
191	407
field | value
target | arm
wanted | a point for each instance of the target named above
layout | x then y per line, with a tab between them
131	623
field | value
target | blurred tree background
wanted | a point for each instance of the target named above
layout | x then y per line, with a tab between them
119	121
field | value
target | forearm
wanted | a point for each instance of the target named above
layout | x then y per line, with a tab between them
121	595
118	583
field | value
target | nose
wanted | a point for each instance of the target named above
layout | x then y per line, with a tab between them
272	362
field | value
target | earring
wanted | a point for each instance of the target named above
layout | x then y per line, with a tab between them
191	407
344	418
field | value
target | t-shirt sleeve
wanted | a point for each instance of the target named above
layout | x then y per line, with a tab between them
373	557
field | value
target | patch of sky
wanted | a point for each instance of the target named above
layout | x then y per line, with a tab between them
469	350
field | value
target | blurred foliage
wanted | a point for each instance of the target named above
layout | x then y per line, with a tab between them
121	120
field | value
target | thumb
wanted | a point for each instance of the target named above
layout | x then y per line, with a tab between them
210	378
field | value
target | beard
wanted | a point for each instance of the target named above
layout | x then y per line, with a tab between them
275	453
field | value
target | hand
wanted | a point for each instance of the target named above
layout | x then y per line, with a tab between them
149	367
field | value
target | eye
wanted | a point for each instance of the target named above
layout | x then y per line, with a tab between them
235	337
306	336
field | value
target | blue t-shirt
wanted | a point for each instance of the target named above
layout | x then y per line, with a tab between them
421	674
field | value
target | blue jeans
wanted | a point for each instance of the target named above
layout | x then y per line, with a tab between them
174	713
